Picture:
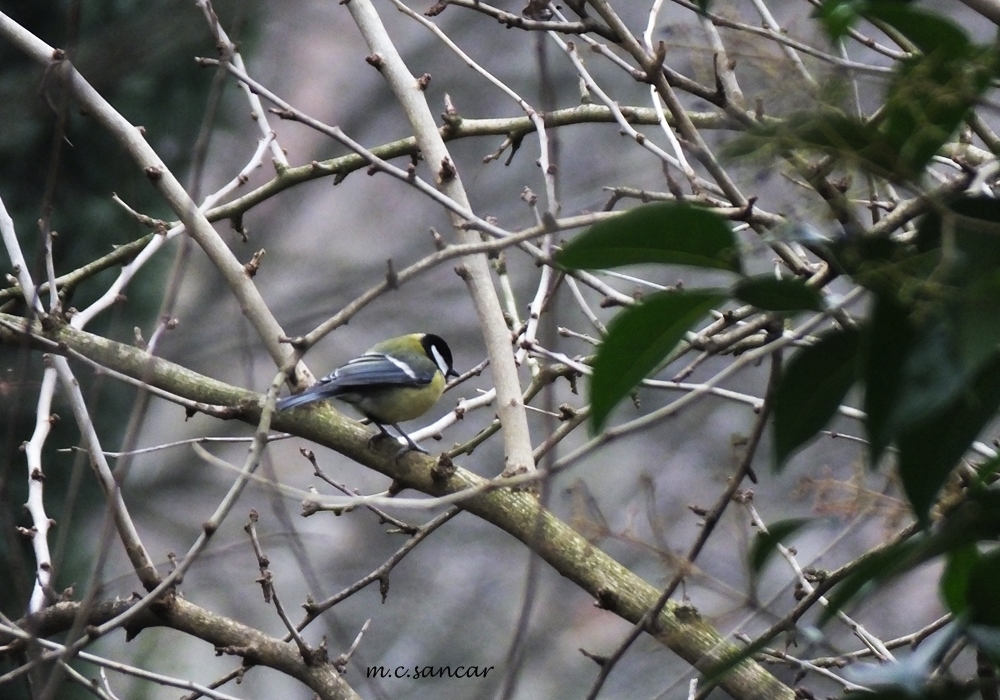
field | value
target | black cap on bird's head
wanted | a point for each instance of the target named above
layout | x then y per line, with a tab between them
438	350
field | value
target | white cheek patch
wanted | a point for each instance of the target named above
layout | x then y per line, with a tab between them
439	360
401	365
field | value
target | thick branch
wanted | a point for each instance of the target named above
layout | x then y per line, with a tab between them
225	634
518	513
410	94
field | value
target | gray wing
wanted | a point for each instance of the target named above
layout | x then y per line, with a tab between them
370	370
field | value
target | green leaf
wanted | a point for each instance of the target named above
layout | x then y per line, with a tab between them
928	31
878	567
872	262
811	388
954	581
985	471
936	320
933	375
929	448
888	338
772	294
667	232
982	598
927	100
975	519
838	16
827	130
964	239
765	543
638	340
929	96
977	317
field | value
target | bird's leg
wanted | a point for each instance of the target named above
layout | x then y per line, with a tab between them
382	432
410	445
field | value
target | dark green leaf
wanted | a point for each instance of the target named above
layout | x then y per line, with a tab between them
888	338
983	601
974	221
668	232
838	16
638	339
977	317
985	471
765	543
930	448
811	388
928	31
826	130
954	584
933	375
975	519
929	96
875	568
936	320
772	294
871	261
927	100
964	240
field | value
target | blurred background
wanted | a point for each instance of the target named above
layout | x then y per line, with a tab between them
458	598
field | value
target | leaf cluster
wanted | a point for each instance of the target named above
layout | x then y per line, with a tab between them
930	94
925	359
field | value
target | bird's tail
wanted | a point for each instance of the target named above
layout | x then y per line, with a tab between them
297	400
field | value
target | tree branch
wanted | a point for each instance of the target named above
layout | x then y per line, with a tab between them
615	588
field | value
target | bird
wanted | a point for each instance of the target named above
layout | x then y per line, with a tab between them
396	380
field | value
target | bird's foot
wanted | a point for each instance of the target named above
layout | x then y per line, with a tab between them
410	447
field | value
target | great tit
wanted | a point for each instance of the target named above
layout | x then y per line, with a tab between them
399	379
